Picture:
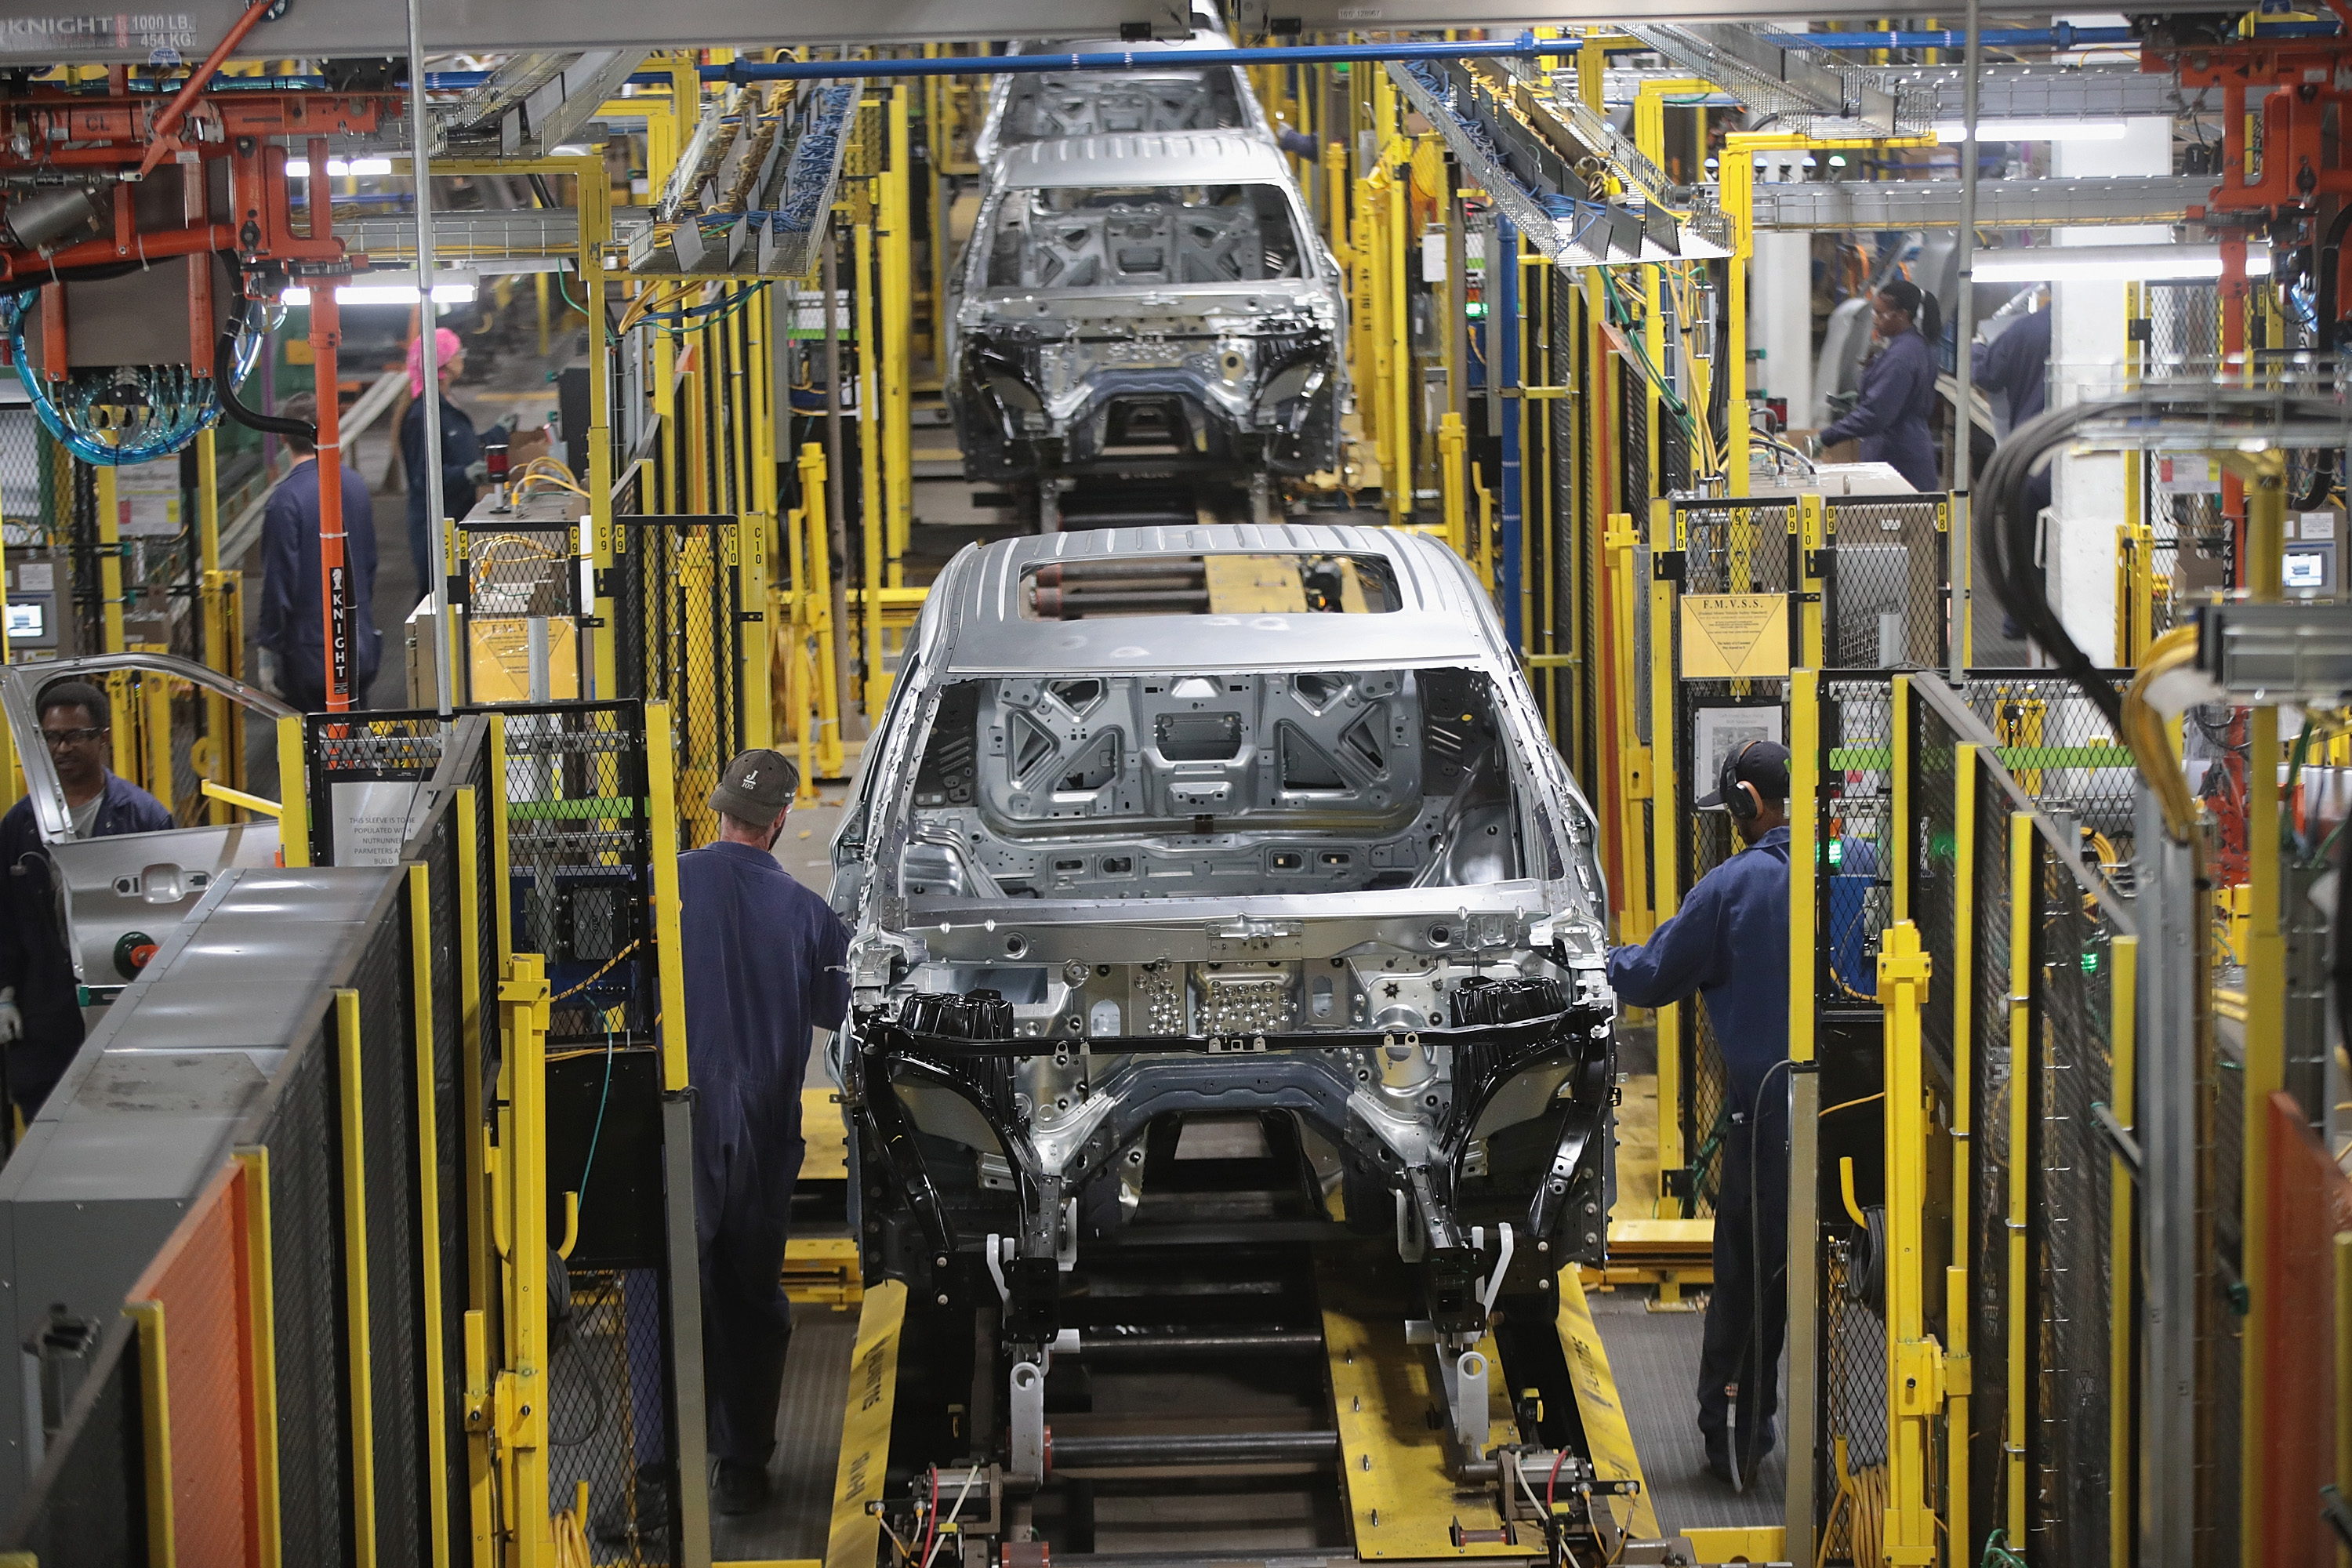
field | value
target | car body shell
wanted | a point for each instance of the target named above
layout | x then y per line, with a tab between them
1013	1147
1241	377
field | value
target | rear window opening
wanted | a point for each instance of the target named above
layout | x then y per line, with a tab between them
1221	584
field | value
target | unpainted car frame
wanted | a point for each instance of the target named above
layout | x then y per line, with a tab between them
1017	1028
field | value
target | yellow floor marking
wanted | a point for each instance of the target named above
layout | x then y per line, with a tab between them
1605	1431
827	1159
1394	1461
857	1536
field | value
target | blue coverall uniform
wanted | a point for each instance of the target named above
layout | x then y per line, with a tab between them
1730	942
461	448
33	956
1890	417
292	623
765	961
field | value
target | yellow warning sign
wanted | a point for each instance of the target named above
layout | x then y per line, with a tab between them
1735	636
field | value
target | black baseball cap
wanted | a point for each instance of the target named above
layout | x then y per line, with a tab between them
757	787
1764	764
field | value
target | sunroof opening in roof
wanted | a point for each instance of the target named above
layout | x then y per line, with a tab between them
1100	588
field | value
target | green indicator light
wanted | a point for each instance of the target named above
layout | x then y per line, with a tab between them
1475	310
1837	852
2090	964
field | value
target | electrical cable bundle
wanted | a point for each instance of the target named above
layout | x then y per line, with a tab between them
2005	545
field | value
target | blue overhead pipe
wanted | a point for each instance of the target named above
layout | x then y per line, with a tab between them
1503	339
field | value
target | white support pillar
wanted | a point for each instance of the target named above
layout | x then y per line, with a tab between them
2087	358
1780	315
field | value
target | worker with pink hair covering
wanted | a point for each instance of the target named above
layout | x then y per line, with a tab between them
463	467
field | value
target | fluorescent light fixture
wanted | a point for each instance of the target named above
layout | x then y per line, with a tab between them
300	168
450	287
2032	131
2055	263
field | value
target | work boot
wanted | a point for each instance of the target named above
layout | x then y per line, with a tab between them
641	1516
743	1488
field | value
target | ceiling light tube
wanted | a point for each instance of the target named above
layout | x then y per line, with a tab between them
2033	130
2066	263
450	287
300	168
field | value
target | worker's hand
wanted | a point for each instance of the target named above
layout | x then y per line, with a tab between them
478	470
12	1018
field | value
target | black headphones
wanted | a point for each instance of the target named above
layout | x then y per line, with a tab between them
1739	797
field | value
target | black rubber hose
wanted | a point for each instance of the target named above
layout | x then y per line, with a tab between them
546	197
2329	463
224	383
2005	551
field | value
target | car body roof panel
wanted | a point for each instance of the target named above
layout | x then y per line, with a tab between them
1159	158
1440	617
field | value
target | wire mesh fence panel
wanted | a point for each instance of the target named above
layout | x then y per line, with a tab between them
1858	733
1886	581
1728	547
1934	902
2062	751
2069	1456
306	1244
87	1507
1853	1416
678	605
522	611
368	775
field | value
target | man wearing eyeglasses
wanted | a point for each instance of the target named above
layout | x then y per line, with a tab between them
40	1000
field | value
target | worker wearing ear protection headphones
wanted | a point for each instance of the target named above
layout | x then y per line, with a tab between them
1730	943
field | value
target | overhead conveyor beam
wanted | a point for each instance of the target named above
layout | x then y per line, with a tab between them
1523	146
533	103
2000	204
2054	92
1801	89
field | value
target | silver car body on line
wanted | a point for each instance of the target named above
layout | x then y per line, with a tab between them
1161	94
1105	867
1155	305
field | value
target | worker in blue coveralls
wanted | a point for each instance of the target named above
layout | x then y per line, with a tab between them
1891	417
1730	942
40	1000
766	962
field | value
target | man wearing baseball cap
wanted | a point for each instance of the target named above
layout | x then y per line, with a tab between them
766	962
1730	943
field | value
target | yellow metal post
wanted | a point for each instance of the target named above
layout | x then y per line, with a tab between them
1804	871
758	527
895	232
293	794
1957	1363
523	1389
1665	896
874	689
1397	155
261	1346
814	597
480	1227
428	1210
594	203
662	806
155	1432
2022	906
1631	764
1452	445
221	756
357	1339
1915	1362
